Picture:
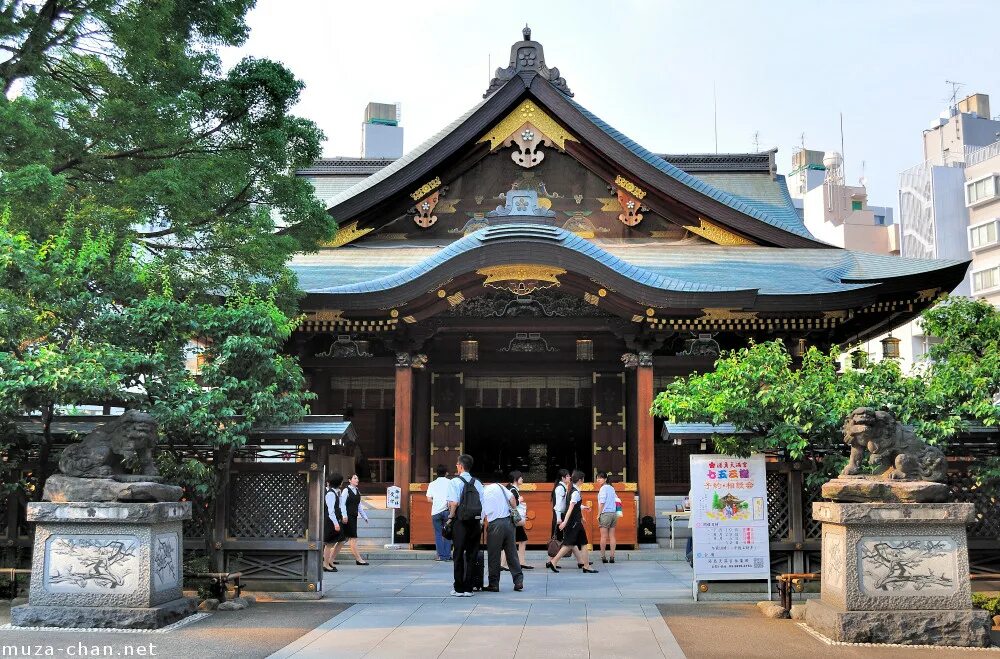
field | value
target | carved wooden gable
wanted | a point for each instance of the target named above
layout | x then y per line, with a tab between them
581	201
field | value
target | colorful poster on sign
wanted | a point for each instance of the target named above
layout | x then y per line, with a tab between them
729	517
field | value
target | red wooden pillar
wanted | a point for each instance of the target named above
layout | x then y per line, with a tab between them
644	433
403	432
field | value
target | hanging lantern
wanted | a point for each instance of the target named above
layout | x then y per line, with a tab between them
584	350
470	350
890	347
799	348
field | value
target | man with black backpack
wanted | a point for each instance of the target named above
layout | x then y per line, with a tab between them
465	511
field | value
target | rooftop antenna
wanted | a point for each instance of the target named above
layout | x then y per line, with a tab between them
756	141
715	116
843	158
955	86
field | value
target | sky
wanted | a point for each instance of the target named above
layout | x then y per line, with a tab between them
777	69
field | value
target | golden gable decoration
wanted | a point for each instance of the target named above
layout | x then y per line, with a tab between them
527	128
717	234
426	188
521	278
346	234
630	187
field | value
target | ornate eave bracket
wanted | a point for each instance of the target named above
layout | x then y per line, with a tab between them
527	128
630	198
527	57
427	197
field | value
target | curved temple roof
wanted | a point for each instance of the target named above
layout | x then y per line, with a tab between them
765	211
654	272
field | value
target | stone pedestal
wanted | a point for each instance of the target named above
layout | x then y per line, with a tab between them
897	573
105	564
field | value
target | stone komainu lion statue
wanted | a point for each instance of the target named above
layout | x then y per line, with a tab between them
894	449
123	445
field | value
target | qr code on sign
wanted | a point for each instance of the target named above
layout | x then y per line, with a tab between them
758	563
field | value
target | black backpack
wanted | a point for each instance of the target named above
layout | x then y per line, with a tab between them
470	507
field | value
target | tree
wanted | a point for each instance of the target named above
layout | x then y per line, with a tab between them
781	405
962	373
149	199
800	409
119	110
89	324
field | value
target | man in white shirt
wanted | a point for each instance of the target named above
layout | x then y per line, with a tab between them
497	502
437	494
466	524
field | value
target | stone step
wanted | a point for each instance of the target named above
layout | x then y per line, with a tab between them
534	556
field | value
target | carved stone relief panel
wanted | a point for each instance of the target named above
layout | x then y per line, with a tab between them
907	565
101	564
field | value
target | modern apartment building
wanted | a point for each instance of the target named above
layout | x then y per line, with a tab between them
982	198
835	212
934	211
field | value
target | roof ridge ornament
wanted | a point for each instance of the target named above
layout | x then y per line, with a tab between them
526	56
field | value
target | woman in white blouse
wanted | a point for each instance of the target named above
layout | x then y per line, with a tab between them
333	532
520	534
607	509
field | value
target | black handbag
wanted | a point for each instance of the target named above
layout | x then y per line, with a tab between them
448	530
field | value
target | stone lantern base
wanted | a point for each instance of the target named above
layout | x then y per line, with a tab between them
106	564
897	573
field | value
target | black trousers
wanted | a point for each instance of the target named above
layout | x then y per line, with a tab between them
465	545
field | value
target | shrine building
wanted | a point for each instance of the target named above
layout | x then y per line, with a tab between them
519	286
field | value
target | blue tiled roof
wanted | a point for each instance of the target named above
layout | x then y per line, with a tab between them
701	268
780	215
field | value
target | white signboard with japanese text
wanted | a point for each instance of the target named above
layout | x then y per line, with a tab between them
393	495
729	518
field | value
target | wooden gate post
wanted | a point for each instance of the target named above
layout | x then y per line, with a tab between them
319	458
220	520
796	517
403	431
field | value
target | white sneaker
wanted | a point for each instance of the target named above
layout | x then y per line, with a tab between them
455	593
466	594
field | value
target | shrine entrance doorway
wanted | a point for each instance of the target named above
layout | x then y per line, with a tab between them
536	442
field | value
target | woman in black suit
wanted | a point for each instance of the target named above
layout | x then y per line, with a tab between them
350	509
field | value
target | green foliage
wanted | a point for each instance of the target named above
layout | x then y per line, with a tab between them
86	324
800	408
119	112
986	602
781	405
148	200
964	367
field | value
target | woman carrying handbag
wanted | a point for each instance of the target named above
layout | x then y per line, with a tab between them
520	534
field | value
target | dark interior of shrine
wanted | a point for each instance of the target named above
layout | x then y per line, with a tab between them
537	442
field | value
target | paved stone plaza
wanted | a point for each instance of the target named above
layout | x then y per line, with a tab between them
403	610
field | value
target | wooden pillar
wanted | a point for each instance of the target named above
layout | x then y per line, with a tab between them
422	426
321	385
644	433
403	432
